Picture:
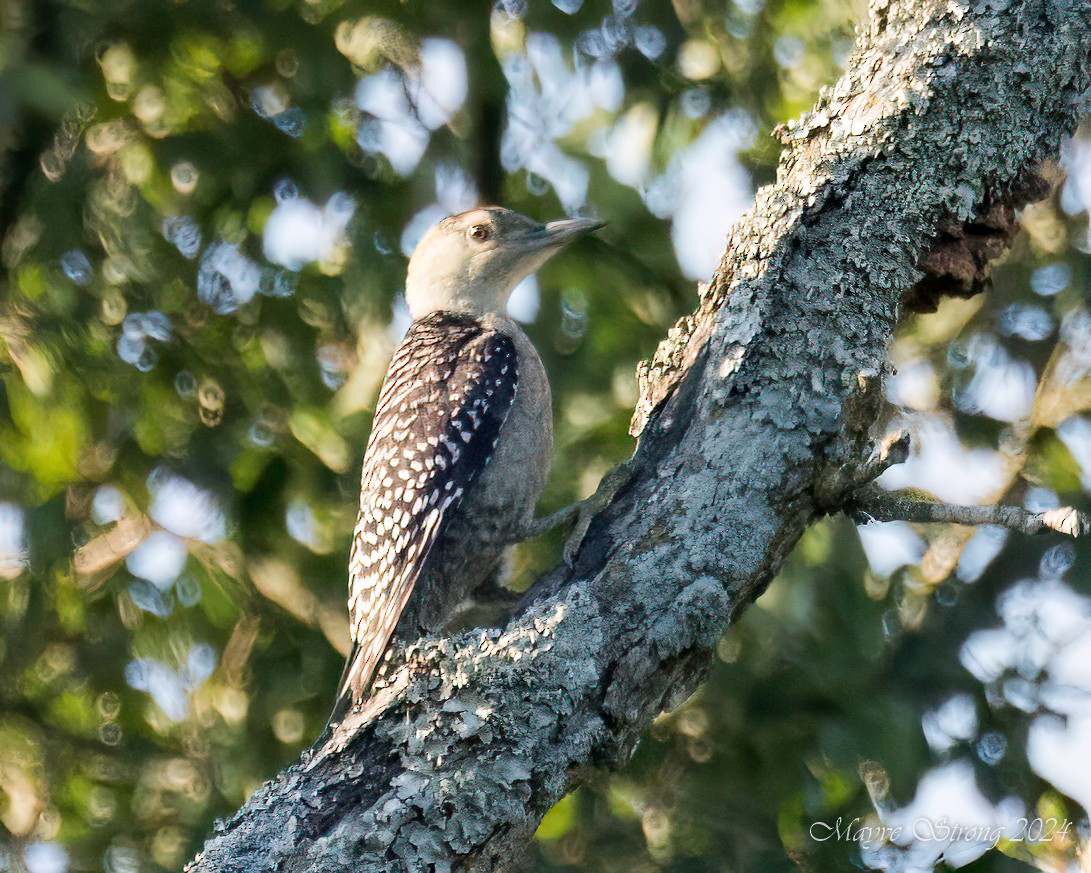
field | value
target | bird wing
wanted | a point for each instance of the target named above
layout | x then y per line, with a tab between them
447	393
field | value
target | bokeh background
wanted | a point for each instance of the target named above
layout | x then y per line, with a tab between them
205	212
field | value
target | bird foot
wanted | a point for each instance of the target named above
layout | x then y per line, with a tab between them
585	511
579	514
537	526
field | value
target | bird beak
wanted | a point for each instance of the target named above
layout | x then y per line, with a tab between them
560	233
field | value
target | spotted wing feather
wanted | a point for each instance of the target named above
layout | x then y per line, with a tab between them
447	393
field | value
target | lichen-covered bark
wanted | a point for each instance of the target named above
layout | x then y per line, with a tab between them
753	420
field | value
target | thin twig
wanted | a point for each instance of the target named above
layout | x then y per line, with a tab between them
874	504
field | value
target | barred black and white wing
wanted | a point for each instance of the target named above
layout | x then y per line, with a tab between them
447	393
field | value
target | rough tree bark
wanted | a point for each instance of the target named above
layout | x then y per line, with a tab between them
754	420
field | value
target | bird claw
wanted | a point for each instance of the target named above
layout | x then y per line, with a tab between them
587	509
583	512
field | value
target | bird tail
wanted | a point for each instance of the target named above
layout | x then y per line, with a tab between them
361	667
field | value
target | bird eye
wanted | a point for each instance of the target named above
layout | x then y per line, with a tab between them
479	233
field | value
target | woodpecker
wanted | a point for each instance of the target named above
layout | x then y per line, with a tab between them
461	441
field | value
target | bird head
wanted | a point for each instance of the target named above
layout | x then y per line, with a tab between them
471	262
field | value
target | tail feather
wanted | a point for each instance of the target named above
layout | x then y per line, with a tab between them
354	705
342	703
361	667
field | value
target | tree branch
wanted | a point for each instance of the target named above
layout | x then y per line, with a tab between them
750	413
874	504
